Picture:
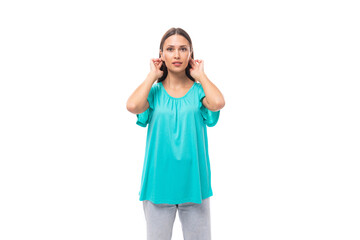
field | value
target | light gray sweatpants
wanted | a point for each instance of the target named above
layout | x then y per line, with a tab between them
194	218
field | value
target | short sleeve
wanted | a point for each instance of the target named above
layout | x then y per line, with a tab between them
210	118
145	117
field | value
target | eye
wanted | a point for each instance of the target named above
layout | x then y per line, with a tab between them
184	49
169	49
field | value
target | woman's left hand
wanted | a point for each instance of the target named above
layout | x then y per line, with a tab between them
197	68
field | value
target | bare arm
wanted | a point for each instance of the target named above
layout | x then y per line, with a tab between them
214	100
137	102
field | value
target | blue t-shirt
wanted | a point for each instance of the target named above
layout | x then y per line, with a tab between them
176	166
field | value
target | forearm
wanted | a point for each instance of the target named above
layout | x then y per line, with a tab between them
214	97
137	102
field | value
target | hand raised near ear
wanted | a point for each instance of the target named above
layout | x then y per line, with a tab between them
155	65
197	68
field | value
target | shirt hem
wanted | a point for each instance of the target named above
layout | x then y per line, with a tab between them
140	124
170	201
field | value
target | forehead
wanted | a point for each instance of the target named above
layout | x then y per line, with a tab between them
177	41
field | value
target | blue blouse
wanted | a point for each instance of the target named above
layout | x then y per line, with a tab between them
176	166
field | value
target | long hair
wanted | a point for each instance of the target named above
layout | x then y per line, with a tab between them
170	32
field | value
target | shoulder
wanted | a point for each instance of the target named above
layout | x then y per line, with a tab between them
198	87
197	84
155	87
200	90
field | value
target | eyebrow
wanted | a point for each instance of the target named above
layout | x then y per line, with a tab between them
180	46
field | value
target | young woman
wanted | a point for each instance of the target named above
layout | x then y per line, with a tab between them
178	108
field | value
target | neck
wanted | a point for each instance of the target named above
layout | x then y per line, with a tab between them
176	80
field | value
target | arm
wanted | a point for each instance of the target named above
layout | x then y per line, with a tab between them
137	102
214	99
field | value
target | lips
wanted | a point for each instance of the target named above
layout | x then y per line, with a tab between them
177	62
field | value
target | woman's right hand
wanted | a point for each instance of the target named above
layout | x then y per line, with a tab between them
155	65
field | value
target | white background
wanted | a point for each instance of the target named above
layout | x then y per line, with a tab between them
284	154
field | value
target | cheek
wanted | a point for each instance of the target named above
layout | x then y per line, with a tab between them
167	57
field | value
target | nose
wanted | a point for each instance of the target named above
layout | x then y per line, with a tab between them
177	53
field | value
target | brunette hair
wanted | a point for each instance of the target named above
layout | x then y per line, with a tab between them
170	32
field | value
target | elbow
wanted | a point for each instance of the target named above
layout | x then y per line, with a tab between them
219	105
131	107
216	106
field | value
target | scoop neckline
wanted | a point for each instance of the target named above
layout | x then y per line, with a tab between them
162	86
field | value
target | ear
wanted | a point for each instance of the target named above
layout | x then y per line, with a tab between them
189	57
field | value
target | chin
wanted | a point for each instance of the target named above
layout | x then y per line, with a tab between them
177	70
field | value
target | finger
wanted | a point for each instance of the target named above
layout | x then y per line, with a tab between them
158	65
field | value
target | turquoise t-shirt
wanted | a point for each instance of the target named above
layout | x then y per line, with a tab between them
176	166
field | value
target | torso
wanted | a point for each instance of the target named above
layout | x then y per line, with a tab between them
178	93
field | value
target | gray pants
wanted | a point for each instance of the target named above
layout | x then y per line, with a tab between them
194	218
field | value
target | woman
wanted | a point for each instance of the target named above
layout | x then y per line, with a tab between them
176	172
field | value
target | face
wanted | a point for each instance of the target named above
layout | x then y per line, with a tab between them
176	49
